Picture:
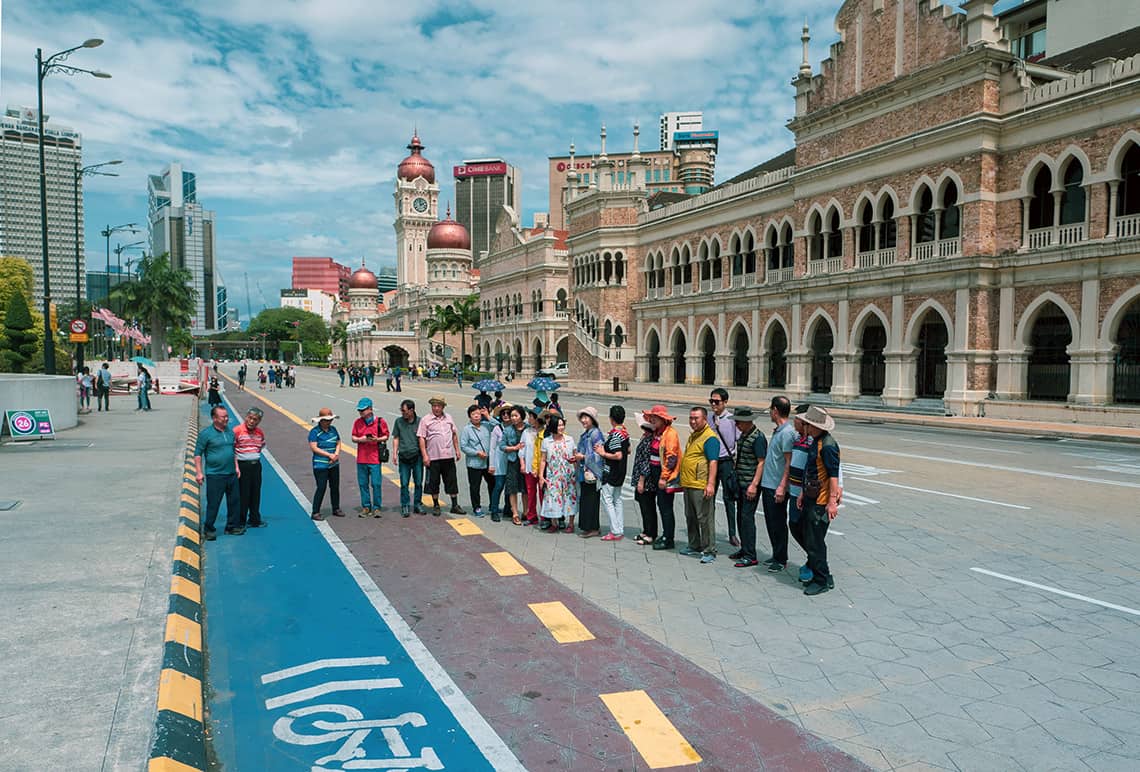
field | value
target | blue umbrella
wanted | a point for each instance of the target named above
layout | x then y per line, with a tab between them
143	361
488	384
542	383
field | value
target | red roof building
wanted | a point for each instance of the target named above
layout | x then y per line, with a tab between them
321	273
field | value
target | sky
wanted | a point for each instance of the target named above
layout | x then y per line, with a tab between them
294	114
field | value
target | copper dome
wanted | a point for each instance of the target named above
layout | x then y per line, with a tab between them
362	278
448	234
416	165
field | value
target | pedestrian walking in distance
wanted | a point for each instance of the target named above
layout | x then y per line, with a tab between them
751	450
370	434
324	442
249	441
103	388
439	449
216	465
698	481
406	446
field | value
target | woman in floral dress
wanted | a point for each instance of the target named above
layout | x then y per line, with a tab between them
558	475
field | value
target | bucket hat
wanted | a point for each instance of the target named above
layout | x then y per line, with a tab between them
590	411
436	399
744	415
324	414
819	418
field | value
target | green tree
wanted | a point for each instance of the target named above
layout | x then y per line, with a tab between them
180	341
441	322
19	338
15	276
465	316
290	325
339	337
162	296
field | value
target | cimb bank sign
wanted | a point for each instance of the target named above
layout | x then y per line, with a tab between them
479	170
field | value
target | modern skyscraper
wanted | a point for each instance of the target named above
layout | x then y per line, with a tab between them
20	232
482	186
321	273
674	122
180	227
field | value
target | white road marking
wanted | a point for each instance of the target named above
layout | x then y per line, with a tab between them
321	664
967	447
996	467
485	738
950	495
302	695
848	496
1055	591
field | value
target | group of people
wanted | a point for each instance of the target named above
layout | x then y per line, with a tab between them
229	462
98	385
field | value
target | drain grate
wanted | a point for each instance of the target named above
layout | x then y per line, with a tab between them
9	504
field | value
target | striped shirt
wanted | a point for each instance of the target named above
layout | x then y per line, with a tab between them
248	442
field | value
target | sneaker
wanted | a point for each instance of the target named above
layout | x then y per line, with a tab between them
365	512
405	511
457	510
806	574
496	518
661	544
768	561
745	563
376	512
211	535
317	516
258	524
613	537
479	512
338	513
736	555
775	568
435	510
689	552
419	510
708	557
815	588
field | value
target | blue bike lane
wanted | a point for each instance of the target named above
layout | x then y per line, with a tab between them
309	666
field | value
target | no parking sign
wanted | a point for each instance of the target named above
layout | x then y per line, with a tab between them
29	424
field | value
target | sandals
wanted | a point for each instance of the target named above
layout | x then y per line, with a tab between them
516	520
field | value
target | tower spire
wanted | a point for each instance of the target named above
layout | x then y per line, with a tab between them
636	136
805	65
603	153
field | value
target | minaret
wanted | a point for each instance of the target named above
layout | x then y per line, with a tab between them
604	166
636	165
571	177
803	81
805	65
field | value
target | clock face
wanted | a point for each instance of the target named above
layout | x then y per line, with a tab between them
420	205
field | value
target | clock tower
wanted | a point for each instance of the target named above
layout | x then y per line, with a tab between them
417	208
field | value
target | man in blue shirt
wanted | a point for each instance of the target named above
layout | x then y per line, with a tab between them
216	445
774	482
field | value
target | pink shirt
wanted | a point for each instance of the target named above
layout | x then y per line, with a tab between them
248	443
438	434
369	452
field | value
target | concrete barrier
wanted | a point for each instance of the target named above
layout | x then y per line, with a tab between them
55	393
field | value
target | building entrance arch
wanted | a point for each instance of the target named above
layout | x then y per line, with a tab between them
1126	363
397	356
930	370
777	357
708	358
653	354
678	347
1048	371
873	360
822	342
740	357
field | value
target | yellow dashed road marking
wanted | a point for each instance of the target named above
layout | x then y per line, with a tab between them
654	735
180	585
179	629
464	527
186	556
504	563
180	693
291	416
563	625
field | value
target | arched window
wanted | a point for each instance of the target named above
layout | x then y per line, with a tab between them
1128	192
619	336
749	247
608	270
772	250
787	247
926	223
816	243
834	235
888	228
737	256
1073	199
866	227
950	224
1041	201
687	266
714	257
705	266
619	268
560	300
608	334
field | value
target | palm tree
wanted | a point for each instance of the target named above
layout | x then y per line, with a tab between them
441	321
465	316
339	334
162	296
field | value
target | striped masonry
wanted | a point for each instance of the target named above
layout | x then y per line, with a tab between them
180	729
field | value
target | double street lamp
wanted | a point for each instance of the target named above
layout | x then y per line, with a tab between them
53	63
80	173
107	233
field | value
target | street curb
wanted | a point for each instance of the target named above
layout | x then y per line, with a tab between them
180	732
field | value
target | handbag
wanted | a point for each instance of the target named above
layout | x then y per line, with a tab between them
382	449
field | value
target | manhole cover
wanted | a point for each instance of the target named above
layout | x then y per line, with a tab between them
7	505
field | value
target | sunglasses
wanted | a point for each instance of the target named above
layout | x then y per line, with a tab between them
715	401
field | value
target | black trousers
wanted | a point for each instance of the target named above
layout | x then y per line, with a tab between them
776	518
217	487
816	523
647	503
796	522
441	470
746	524
328	476
249	484
589	500
668	518
475	477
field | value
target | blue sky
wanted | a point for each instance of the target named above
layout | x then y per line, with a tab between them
295	113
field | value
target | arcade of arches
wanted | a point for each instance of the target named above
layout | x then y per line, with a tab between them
889	354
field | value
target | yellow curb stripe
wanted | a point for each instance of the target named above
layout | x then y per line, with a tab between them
464	527
563	625
186	556
650	731
504	563
180	693
188	513
188	533
185	631
164	764
180	585
188	499
291	416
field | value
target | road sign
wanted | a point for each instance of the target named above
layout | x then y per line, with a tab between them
29	424
78	337
78	326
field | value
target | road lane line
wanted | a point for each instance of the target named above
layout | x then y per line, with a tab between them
967	447
561	622
650	731
328	687
321	664
504	563
996	467
464	527
291	416
950	495
1056	591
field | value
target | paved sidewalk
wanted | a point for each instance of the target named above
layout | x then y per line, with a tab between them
84	581
673	394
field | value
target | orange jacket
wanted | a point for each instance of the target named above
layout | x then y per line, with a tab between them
670	447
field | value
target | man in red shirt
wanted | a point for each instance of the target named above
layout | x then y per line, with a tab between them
369	433
249	441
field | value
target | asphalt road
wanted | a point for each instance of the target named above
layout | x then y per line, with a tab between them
987	609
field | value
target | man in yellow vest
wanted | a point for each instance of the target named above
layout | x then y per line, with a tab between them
698	482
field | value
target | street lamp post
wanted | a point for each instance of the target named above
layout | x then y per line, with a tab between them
43	68
107	233
119	250
93	169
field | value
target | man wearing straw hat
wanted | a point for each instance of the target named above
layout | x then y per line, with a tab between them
439	447
819	500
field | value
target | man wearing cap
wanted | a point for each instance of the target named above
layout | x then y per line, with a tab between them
751	448
722	424
249	441
665	454
439	448
216	447
819	500
698	481
368	432
774	482
324	442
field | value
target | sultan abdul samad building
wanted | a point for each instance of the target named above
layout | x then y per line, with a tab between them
958	224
